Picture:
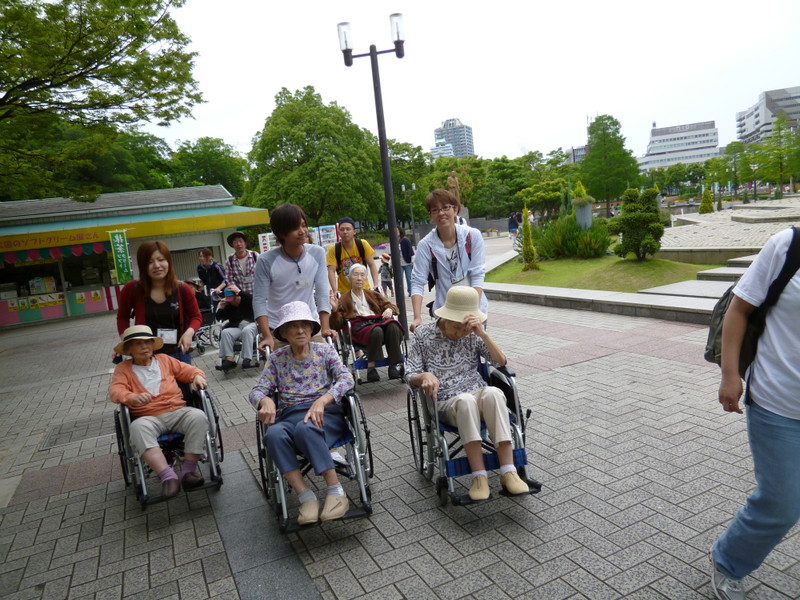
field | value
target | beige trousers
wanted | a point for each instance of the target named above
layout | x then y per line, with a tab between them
466	410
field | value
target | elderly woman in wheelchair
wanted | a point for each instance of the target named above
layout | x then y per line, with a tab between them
147	385
443	363
368	317
298	397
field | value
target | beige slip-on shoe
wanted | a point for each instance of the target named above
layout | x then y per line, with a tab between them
335	508
479	490
513	484
309	513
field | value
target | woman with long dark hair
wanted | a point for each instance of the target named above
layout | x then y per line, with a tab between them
157	299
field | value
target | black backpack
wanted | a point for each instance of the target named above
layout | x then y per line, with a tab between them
337	249
757	319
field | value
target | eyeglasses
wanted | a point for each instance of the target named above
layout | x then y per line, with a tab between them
441	209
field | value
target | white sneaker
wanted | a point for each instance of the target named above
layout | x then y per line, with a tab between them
724	587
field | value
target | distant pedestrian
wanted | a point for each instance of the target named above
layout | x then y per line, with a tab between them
406	257
387	275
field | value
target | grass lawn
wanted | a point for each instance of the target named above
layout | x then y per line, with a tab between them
606	273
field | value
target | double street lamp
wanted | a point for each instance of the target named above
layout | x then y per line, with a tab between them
346	46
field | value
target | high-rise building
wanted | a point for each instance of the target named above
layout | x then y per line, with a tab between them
687	144
755	123
458	135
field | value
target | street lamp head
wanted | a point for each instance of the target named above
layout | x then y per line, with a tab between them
398	34
346	42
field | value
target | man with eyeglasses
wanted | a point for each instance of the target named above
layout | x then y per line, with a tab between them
450	255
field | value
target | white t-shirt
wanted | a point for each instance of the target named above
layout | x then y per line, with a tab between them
149	376
775	372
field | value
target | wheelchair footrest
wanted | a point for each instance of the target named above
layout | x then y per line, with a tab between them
456	467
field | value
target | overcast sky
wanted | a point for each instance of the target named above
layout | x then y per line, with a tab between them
525	75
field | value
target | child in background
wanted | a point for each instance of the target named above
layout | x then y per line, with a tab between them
386	276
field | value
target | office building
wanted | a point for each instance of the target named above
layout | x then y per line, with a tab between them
687	144
755	123
458	135
442	148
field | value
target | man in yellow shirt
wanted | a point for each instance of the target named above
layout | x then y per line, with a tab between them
347	252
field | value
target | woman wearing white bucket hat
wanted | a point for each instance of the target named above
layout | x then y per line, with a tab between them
443	361
310	381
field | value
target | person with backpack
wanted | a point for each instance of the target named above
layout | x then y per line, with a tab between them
772	405
448	256
348	251
211	274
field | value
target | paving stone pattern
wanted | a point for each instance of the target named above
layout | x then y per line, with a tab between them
641	471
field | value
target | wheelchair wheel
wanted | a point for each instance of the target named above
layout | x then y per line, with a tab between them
415	435
201	349
123	459
262	459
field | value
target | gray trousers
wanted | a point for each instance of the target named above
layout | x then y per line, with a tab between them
191	422
247	331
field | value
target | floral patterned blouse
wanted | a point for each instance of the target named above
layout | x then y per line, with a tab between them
300	383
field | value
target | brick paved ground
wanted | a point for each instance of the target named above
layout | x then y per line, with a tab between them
641	472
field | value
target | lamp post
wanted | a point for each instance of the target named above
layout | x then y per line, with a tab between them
346	46
409	193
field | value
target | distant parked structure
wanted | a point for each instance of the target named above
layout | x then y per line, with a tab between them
455	134
687	144
755	123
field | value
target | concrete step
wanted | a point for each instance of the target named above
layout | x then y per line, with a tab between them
686	309
692	288
729	274
742	261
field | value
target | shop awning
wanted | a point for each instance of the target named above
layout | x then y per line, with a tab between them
22	256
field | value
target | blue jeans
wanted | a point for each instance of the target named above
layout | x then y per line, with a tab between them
289	436
407	272
774	507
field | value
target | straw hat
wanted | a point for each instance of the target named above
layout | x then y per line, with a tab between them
385	258
138	332
461	301
295	311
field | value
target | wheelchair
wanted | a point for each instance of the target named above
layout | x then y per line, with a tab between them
435	445
208	333
357	464
259	357
135	470
354	356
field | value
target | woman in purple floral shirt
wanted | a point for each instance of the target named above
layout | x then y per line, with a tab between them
308	381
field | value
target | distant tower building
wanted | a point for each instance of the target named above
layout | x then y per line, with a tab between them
755	123
442	148
576	154
687	144
457	135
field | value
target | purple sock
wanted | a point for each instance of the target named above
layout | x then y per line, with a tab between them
189	466
167	474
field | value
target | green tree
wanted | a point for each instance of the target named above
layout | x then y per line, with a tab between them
209	161
608	167
84	62
776	153
313	155
639	224
545	196
735	153
707	203
675	176
528	249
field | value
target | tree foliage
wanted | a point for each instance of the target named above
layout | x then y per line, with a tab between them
89	63
639	224
545	196
608	167
707	203
209	161
313	155
528	249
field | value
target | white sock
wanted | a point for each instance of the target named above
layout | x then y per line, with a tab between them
307	495
507	469
476	473
336	490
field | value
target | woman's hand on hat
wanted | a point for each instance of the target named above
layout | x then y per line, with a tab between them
200	382
473	325
140	399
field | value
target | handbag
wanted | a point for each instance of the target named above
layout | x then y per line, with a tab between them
757	319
